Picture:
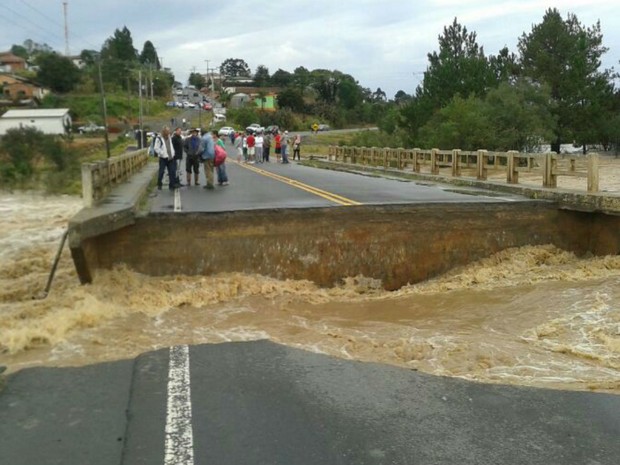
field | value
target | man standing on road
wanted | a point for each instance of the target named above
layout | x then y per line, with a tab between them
193	148
165	153
177	143
208	158
266	147
284	145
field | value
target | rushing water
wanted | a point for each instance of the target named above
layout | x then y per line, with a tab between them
534	316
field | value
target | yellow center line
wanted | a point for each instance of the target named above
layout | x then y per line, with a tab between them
302	186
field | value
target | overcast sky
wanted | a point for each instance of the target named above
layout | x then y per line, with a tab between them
381	43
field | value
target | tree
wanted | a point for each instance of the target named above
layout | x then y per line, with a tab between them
197	80
261	77
326	84
120	46
402	97
519	115
89	57
118	57
460	67
301	77
350	94
149	55
20	51
566	56
57	72
291	98
379	95
281	78
235	67
462	124
35	48
505	66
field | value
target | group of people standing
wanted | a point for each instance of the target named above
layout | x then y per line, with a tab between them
207	149
256	147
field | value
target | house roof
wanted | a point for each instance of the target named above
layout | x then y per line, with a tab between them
38	113
8	57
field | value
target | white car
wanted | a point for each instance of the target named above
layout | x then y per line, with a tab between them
254	128
225	131
90	127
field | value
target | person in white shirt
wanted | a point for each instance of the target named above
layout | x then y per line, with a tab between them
165	153
258	146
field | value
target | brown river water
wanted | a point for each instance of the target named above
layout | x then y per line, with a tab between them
535	316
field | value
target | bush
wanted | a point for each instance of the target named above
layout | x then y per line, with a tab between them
31	159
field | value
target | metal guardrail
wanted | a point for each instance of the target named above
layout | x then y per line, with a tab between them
99	177
479	163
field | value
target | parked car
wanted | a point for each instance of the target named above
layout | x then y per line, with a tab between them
324	127
90	127
254	128
272	129
225	131
207	106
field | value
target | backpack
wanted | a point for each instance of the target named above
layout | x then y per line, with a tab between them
152	146
220	155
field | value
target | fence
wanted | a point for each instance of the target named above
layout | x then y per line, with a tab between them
99	177
479	164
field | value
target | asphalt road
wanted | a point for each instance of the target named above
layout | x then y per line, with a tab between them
262	403
276	185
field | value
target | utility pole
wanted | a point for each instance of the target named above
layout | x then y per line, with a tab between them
104	111
151	78
140	120
64	7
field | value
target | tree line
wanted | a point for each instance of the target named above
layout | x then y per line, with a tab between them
119	60
552	90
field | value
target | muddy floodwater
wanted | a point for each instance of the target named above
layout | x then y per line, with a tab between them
535	316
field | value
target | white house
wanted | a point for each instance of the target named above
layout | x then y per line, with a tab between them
48	121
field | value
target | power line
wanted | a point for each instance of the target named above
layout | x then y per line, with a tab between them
39	28
31	22
39	13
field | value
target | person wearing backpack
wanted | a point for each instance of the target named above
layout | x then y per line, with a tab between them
163	148
194	147
220	160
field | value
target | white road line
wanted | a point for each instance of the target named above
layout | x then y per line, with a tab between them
177	200
179	445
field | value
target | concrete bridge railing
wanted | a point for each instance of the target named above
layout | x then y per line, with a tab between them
480	163
99	177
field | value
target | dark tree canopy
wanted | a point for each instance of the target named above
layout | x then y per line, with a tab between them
120	46
57	72
149	55
197	80
261	77
566	56
235	67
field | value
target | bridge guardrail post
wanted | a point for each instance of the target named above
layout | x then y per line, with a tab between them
512	174
550	179
593	172
456	163
416	160
481	162
434	161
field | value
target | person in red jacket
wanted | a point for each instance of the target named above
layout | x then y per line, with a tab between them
251	141
278	145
